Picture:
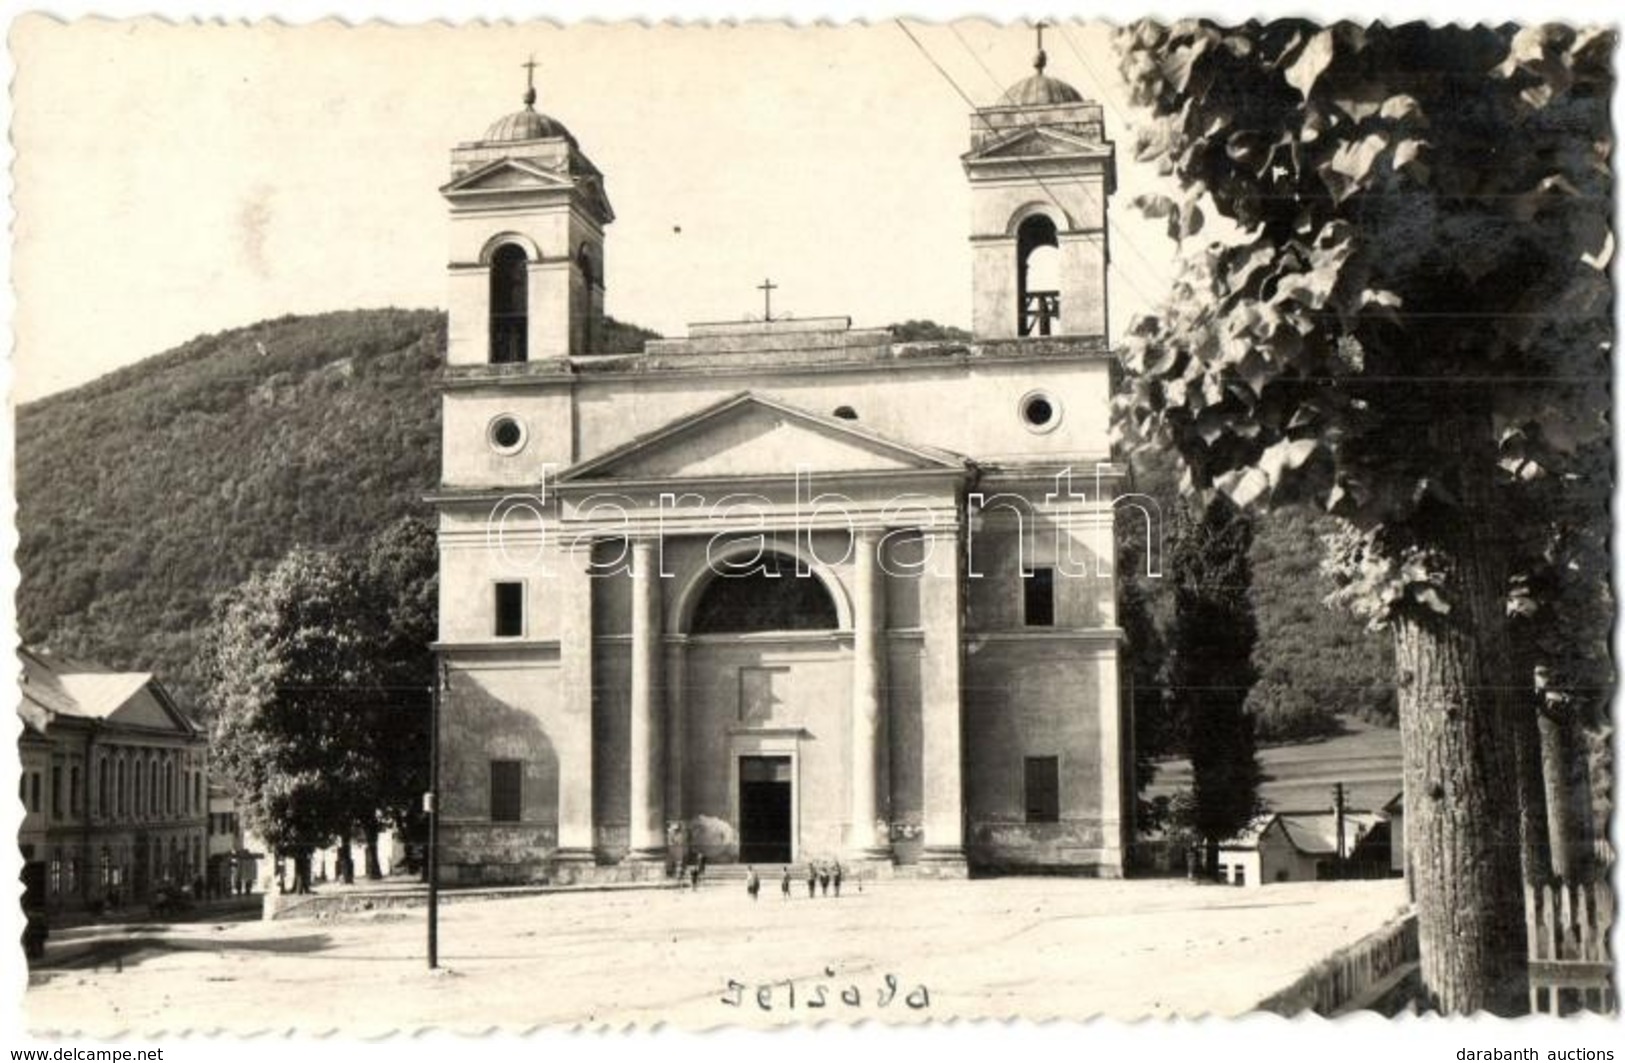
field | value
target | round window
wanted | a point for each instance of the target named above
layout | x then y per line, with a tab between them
1039	411
506	434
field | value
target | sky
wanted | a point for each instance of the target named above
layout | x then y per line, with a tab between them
173	180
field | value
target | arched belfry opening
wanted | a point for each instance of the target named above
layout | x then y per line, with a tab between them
765	596
589	280
510	304
1038	276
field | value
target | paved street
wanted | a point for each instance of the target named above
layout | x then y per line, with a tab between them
1031	947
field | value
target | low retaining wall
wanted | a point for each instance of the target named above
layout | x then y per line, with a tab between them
357	901
1375	973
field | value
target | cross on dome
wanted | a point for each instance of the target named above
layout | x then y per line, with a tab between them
530	80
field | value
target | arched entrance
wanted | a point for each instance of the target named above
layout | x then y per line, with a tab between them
766	669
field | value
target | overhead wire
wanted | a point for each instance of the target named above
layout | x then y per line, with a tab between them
1111	223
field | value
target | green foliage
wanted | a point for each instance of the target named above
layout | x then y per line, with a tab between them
618	337
147	493
399	573
1382	276
284	662
920	331
1315	663
318	672
1210	667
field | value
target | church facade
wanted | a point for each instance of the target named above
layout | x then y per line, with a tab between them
780	590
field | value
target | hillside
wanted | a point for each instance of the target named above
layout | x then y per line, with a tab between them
1299	777
147	492
144	494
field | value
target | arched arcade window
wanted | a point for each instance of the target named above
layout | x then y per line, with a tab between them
1038	276
768	596
510	304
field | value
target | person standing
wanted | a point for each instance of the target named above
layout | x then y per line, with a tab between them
823	879
784	884
812	880
753	884
837	878
699	868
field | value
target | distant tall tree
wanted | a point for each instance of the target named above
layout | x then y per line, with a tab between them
400	572
1388	318
1144	612
1210	671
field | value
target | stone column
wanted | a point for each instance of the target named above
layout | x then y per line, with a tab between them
942	617
868	693
676	659
573	743
646	834
1113	755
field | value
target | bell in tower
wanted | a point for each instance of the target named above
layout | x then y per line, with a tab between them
528	214
1040	170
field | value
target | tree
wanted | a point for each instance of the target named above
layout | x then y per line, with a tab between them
281	666
918	330
1210	672
400	571
1560	629
1413	291
319	673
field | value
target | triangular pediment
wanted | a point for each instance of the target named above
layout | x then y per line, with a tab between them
1032	142
750	435
145	710
131	699
506	175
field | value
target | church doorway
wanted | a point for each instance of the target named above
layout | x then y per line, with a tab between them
765	802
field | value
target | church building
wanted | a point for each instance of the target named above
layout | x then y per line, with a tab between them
780	591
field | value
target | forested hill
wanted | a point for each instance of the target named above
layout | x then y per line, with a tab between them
147	492
144	494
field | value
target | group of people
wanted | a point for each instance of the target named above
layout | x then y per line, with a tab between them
819	876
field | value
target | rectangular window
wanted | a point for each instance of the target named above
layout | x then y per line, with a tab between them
507	790
73	791
510	609
1241	875
1043	785
33	792
1038	603
56	791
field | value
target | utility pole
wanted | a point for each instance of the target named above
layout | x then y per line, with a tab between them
1337	809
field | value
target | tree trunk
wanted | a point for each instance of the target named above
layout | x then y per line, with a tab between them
344	862
1563	763
301	871
1463	802
1534	841
375	871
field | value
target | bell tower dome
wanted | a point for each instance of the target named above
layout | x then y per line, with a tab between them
1040	170
528	214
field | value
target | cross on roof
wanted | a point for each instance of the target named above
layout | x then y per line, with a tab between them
530	79
766	288
1040	60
